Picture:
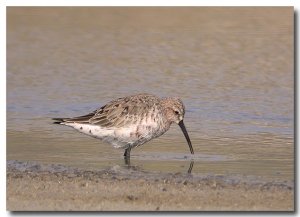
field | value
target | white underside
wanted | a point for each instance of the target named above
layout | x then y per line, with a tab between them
119	137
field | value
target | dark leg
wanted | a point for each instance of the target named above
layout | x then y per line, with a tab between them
127	155
127	152
127	161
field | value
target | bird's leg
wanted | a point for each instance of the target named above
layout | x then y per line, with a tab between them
127	161
127	152
127	155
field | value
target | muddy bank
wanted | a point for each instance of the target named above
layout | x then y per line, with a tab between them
32	186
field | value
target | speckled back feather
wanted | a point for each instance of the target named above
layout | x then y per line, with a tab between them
121	112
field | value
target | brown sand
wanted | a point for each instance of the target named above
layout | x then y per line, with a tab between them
59	190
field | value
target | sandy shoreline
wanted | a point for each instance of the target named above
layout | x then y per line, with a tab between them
32	186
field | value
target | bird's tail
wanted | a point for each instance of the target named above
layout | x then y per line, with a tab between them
80	119
58	120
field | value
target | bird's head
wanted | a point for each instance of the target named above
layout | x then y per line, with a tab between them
174	110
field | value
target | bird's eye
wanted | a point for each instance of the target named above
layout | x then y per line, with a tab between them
176	112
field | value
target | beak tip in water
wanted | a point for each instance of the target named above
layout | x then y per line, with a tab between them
185	133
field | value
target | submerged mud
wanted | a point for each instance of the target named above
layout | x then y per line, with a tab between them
135	173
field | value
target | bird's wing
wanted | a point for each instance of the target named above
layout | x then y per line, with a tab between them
120	112
124	111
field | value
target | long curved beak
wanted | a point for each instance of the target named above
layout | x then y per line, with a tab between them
181	124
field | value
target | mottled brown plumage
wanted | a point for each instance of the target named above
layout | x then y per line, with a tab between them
131	121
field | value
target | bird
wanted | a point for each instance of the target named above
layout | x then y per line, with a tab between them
131	121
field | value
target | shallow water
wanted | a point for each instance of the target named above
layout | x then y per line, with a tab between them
233	68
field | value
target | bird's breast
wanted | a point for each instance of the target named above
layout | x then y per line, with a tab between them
142	131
